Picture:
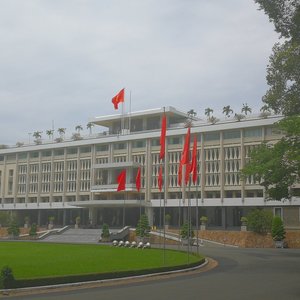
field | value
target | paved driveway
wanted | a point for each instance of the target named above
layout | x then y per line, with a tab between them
241	274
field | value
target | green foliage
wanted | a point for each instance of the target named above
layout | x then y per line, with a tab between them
4	218
278	232
244	220
7	279
203	219
33	230
283	75
168	218
260	221
186	231
13	229
277	167
143	228
105	231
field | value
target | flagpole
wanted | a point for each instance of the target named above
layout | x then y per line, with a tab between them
197	216
165	198
129	119
159	219
189	220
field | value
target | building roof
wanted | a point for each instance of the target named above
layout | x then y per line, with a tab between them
170	111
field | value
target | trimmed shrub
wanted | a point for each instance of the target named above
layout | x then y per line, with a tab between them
7	279
260	221
186	231
143	228
13	229
33	230
278	232
105	231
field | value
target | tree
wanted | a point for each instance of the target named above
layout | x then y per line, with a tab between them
259	220
105	232
278	232
191	113
278	167
90	126
186	231
227	111
37	135
246	109
143	228
78	128
208	111
13	229
61	131
33	230
283	76
50	133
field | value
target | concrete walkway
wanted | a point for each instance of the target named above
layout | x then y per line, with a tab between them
86	236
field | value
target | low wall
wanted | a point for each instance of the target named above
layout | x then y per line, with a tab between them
249	239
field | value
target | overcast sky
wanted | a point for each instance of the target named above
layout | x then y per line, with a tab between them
63	60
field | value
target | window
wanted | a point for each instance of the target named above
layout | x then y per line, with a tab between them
85	149
120	146
59	152
34	154
278	212
139	144
155	142
46	153
22	155
175	140
211	136
11	157
253	132
72	150
101	148
233	134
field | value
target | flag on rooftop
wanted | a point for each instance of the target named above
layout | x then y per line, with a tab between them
119	98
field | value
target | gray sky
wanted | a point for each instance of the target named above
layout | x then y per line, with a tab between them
64	60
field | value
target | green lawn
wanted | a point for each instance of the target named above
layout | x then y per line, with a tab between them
36	260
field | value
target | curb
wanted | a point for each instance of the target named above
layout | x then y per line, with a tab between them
6	292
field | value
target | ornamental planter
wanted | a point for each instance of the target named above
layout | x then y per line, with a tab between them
279	244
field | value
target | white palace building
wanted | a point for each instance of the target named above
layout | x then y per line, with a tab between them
70	178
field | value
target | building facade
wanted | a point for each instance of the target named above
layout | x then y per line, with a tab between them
78	177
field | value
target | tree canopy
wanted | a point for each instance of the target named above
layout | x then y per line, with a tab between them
277	167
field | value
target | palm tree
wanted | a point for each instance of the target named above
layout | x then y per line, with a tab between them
37	134
50	133
191	113
246	109
61	131
78	128
227	111
89	126
208	112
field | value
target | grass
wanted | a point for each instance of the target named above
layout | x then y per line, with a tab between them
38	260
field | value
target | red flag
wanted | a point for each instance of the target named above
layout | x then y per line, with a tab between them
185	156
163	137
160	179
118	98
121	181
180	174
138	179
194	161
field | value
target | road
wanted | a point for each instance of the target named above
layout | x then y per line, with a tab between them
240	274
